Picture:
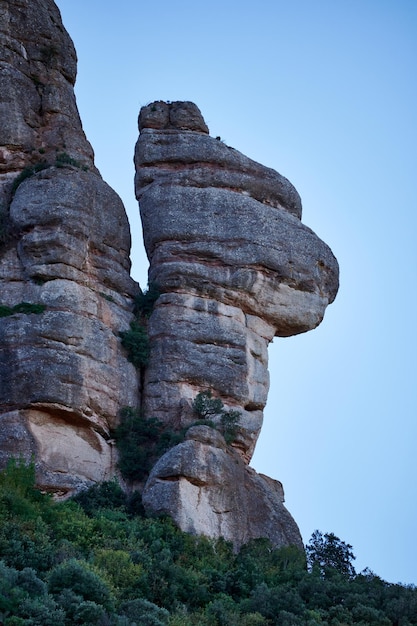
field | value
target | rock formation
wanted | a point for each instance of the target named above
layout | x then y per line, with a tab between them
236	267
64	245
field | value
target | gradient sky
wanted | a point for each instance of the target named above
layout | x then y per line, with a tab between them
325	92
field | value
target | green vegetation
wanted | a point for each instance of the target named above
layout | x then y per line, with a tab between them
62	159
27	173
106	296
141	442
22	307
326	553
136	343
96	561
145	301
135	340
206	407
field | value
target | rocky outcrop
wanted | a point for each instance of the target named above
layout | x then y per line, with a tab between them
236	267
64	245
233	263
209	490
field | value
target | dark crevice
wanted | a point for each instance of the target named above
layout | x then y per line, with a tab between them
254	406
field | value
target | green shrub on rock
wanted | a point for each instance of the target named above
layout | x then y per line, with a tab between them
136	343
27	173
205	406
22	307
145	301
141	442
136	340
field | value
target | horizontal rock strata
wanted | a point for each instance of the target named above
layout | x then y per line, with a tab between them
208	490
64	245
236	267
233	264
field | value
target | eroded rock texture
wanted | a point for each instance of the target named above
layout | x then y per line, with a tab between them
64	243
236	267
232	259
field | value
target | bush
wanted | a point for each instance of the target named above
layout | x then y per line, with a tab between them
19	477
118	567
77	577
22	307
141	442
101	496
110	569
136	343
145	301
89	613
41	611
205	406
63	159
26	544
144	612
27	173
229	425
24	599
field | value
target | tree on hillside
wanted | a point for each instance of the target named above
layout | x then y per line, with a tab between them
328	553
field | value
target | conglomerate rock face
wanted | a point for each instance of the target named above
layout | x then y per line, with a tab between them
64	245
236	267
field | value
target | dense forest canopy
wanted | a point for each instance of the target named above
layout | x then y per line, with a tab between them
99	560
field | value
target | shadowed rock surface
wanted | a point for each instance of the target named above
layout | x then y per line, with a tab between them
236	267
64	244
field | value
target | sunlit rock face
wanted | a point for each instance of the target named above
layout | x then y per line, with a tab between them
64	244
209	490
235	267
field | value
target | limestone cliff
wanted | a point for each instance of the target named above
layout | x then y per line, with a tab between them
64	245
236	267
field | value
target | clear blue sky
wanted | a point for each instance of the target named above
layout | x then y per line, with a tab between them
325	92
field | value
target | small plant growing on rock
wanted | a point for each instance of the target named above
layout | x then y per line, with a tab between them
136	340
22	307
206	407
27	173
145	301
136	343
63	159
229	425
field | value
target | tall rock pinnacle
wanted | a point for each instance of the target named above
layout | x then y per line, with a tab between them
235	267
64	265
233	264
